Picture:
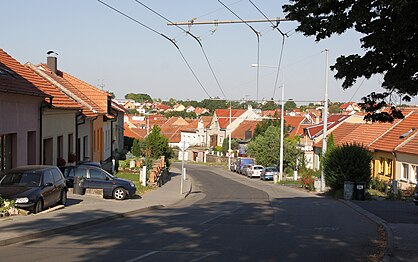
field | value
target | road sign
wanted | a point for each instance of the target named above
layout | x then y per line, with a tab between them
183	145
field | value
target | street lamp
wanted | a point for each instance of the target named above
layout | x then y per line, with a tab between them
325	120
281	127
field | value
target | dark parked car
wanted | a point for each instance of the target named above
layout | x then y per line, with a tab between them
97	178
269	173
415	195
34	187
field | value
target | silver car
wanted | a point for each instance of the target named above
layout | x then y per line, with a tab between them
255	171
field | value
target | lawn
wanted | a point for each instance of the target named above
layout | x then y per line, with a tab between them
134	177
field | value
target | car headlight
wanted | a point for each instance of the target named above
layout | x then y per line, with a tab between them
132	184
22	200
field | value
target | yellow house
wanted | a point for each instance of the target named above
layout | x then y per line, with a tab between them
395	153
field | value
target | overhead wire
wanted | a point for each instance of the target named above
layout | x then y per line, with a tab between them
193	36
161	34
275	26
258	41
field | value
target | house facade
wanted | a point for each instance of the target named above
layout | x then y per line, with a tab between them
20	115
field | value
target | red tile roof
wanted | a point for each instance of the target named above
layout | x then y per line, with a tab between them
295	124
223	116
410	146
60	99
246	125
16	78
392	138
206	120
333	120
137	133
89	107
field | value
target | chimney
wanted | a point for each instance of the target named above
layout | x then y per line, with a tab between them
51	62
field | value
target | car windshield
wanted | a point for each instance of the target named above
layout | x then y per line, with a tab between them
31	179
271	169
258	167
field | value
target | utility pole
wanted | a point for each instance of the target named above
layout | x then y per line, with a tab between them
219	22
325	120
229	139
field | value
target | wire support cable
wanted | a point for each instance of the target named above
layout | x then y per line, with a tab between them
279	66
275	26
193	36
258	41
160	34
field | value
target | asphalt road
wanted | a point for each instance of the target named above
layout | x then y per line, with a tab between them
227	217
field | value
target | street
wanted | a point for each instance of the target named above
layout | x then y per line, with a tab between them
227	217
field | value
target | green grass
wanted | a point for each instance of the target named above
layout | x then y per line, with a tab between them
374	192
134	177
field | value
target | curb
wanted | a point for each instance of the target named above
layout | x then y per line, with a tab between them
191	186
389	234
59	230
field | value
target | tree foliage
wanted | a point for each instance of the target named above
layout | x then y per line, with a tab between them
350	162
156	145
261	127
269	105
265	148
290	105
390	40
182	114
225	145
140	98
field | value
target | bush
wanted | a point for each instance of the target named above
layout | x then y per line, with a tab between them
350	162
307	181
377	184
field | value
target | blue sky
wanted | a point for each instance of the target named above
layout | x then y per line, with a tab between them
99	46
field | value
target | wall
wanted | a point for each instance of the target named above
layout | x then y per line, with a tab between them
412	162
57	123
20	114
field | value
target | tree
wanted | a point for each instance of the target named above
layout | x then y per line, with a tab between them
140	98
330	143
390	40
350	162
269	105
261	127
225	145
290	105
156	145
266	149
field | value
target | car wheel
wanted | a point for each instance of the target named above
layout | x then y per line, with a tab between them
119	193
39	206
63	200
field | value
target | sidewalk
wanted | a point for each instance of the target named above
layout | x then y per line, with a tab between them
88	210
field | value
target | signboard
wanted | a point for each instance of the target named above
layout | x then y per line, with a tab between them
183	145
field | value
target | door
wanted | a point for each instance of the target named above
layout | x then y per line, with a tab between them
48	192
99	180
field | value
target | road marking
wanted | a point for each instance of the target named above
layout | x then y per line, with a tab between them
205	256
228	212
143	256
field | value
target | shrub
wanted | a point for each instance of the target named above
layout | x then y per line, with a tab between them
307	181
350	162
377	184
61	161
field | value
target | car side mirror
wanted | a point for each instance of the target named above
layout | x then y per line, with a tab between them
48	184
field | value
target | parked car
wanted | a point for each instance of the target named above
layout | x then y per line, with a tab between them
97	178
242	162
89	163
34	187
245	169
268	173
255	171
415	195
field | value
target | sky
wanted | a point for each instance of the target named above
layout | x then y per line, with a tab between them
107	50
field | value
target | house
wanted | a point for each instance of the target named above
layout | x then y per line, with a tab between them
350	107
161	107
20	114
225	121
118	126
311	140
395	153
200	111
129	105
179	107
94	124
190	109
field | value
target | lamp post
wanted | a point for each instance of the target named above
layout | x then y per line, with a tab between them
325	120
229	139
280	178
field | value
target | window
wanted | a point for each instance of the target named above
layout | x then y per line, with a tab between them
81	172
60	145
97	174
414	174
85	148
405	172
57	176
48	177
70	144
6	152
